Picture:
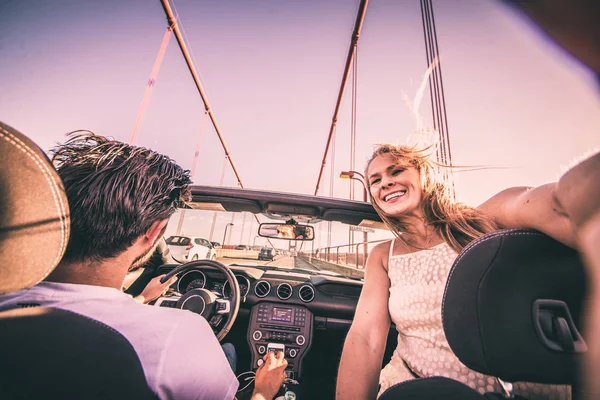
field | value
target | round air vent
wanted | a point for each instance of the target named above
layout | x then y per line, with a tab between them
307	293
284	291
262	288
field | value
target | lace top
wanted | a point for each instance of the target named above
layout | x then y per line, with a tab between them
417	283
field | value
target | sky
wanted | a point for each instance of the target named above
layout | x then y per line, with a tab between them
272	71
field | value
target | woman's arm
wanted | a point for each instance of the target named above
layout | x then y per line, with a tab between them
534	208
358	376
557	209
578	193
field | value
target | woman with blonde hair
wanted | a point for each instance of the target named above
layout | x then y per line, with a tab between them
405	277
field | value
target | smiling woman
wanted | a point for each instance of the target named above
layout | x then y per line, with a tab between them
407	275
404	181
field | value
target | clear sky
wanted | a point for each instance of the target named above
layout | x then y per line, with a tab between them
272	70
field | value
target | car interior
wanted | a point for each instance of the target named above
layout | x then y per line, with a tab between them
512	307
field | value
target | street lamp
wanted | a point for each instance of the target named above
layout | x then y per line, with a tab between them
254	241
357	176
361	178
225	234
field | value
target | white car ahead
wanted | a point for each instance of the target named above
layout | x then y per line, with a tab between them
190	248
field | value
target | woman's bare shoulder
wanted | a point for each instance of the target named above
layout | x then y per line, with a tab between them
379	254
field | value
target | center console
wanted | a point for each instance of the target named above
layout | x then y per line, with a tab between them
280	327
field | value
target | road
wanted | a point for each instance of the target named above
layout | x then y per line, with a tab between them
279	261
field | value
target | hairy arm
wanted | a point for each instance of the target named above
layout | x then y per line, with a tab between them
358	375
533	208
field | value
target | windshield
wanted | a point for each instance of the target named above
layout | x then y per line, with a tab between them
338	249
178	240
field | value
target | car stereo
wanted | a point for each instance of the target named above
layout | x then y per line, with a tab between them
287	324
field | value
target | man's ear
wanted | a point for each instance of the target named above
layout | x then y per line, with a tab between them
156	230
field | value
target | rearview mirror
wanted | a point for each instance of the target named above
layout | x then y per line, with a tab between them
286	231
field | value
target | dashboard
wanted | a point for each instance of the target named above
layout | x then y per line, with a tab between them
281	308
213	281
331	299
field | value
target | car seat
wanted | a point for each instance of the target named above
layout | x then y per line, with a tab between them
49	353
512	308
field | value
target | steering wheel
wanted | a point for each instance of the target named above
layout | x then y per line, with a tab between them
205	302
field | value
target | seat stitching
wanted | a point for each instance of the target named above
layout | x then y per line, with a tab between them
58	202
508	232
470	246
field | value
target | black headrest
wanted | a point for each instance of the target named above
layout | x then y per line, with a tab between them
508	298
57	354
34	213
431	388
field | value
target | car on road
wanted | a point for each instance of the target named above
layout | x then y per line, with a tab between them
266	253
190	248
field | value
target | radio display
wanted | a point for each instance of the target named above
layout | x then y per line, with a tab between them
281	314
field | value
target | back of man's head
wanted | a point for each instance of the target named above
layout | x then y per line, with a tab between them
116	192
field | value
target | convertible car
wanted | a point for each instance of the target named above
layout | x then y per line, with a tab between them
301	301
512	307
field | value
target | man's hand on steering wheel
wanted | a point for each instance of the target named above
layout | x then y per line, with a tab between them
204	302
155	289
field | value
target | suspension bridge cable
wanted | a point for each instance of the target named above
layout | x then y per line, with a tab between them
436	91
433	86
442	94
186	54
353	120
212	227
153	74
194	163
432	40
353	134
331	185
360	17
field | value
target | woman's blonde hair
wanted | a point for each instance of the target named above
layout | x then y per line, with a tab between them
457	223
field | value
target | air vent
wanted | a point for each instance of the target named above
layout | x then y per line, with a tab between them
284	291
262	288
307	293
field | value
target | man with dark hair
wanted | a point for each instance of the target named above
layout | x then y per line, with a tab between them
121	198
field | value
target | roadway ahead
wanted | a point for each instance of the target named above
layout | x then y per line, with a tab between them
279	261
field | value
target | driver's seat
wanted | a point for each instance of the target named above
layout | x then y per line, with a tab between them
50	353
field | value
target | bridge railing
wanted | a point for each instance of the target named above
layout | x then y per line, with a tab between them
347	255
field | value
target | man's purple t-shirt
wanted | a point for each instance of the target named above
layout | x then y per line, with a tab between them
180	355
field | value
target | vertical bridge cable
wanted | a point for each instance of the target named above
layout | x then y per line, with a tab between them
433	81
353	133
194	162
360	17
331	182
212	227
444	122
436	91
353	121
151	81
